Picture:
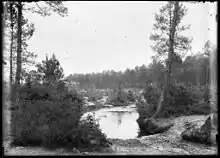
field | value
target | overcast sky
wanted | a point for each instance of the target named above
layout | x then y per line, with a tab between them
97	36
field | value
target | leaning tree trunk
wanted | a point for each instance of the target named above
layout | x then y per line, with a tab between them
169	61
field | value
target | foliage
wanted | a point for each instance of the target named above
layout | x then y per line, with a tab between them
93	94
27	57
151	94
181	100
162	29
118	97
197	93
52	118
46	8
89	134
145	110
6	91
14	12
191	71
50	69
130	96
35	111
121	95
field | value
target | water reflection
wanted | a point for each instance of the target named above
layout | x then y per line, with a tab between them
118	123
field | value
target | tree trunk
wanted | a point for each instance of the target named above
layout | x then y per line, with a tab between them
213	81
3	26
169	61
19	50
197	79
11	48
207	75
19	42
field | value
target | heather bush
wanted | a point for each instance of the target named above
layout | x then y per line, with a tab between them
178	95
180	100
145	110
94	94
49	117
197	94
122	96
39	120
151	94
118	98
130	96
89	135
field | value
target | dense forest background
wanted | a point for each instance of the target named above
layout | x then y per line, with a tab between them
193	70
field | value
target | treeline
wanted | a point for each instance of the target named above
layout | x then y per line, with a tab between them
193	70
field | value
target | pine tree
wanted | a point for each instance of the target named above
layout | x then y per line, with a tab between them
35	7
50	69
169	43
54	6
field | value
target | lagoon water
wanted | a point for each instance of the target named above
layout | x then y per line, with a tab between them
118	122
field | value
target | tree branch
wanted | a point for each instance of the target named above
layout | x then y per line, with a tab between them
40	9
52	5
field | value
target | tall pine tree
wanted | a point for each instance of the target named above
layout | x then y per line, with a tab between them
169	44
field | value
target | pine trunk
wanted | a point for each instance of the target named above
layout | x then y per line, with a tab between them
11	48
197	80
169	61
19	42
207	75
4	12
19	50
213	81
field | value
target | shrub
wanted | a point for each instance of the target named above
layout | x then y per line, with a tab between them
94	95
151	94
89	135
122	96
51	122
197	94
145	110
178	95
45	122
117	98
130	96
180	100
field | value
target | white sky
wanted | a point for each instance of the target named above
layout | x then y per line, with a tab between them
92	38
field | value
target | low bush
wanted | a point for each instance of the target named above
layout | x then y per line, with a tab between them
151	94
179	101
89	135
145	110
122	96
117	98
45	122
131	96
198	94
94	95
48	118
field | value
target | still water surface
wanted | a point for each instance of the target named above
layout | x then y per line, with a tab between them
118	122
